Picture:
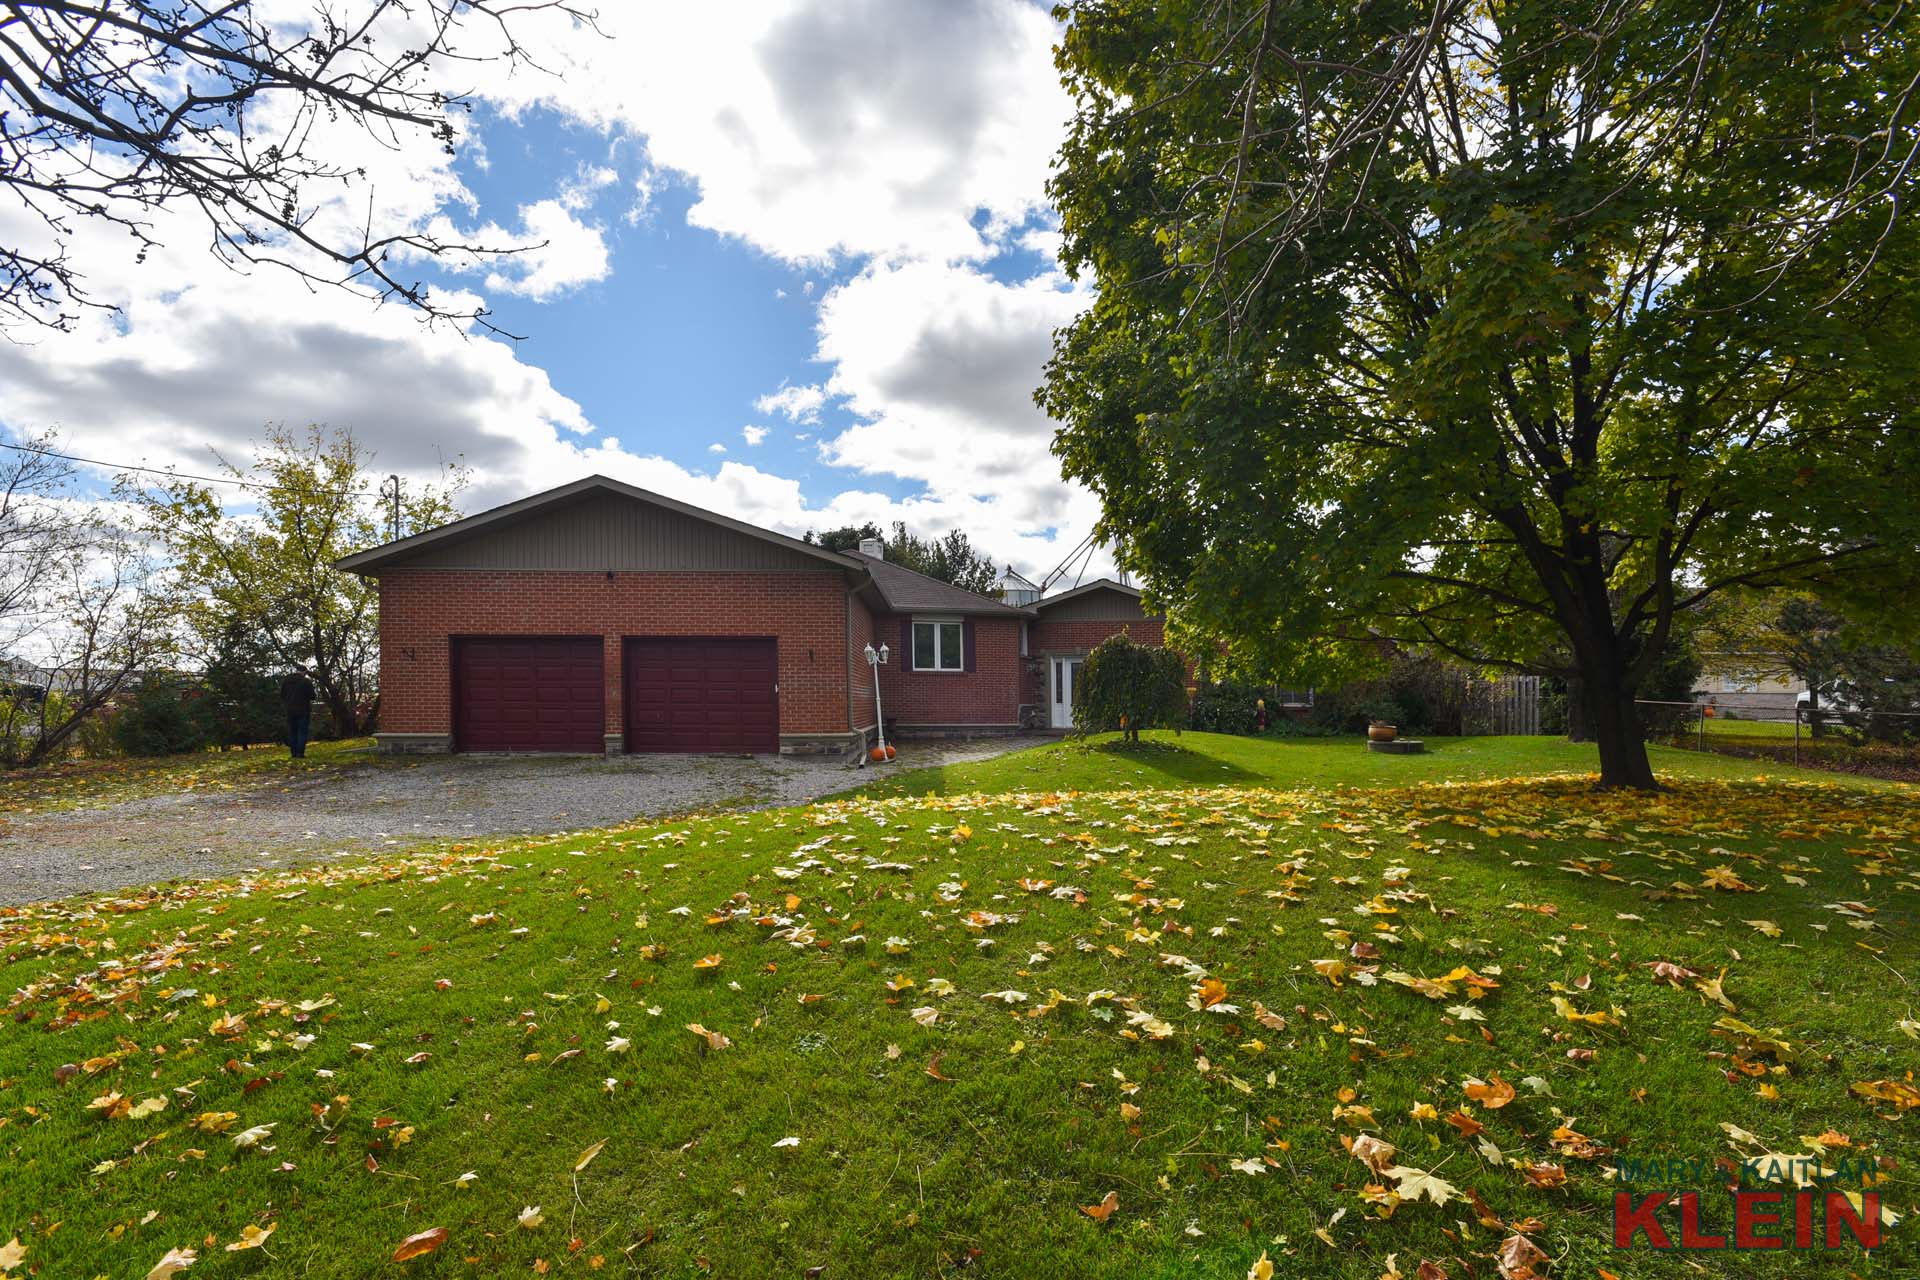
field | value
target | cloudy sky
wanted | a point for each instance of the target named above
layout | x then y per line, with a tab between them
797	267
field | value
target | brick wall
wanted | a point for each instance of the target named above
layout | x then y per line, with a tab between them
421	608
1078	637
987	695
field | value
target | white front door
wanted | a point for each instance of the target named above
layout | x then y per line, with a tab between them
1065	672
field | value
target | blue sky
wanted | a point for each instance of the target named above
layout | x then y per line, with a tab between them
843	198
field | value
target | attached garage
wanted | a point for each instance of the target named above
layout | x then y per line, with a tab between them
528	693
716	694
597	617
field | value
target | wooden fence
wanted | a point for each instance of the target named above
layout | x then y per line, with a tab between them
1511	705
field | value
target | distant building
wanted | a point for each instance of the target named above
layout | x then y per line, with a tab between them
1754	686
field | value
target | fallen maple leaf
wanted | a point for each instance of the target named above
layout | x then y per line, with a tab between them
933	1068
176	1261
1491	1095
12	1254
1903	1096
1104	1210
1518	1257
713	1038
1670	973
708	962
252	1237
1373	1153
419	1244
1262	1268
1416	1183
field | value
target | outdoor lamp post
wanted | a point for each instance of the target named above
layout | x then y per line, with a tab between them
877	658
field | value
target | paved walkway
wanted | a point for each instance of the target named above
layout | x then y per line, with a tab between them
296	819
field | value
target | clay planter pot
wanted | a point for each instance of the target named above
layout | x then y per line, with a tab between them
1381	732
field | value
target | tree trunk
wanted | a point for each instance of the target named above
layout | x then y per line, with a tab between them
1579	720
1615	723
345	724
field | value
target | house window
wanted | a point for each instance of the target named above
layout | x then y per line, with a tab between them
936	645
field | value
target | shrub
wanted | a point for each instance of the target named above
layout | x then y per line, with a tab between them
1130	687
160	720
1227	706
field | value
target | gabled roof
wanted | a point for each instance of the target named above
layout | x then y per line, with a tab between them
1098	584
907	591
375	558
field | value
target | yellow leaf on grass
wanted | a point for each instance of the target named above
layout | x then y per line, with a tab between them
12	1254
708	962
252	1237
713	1038
1262	1268
1416	1184
1491	1095
1903	1096
1104	1210
586	1157
1565	1008
176	1261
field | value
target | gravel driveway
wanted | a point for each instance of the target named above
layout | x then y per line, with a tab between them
382	803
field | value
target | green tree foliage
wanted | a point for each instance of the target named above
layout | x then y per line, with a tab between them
270	572
1515	330
1858	660
163	717
1129	687
242	689
950	558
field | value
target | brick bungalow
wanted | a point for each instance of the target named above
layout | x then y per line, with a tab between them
599	617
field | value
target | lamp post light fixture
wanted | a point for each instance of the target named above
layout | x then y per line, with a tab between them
877	658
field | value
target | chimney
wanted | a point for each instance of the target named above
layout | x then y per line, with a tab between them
873	547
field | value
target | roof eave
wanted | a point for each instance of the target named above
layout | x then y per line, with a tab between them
373	559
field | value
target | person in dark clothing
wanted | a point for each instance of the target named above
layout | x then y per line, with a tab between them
296	695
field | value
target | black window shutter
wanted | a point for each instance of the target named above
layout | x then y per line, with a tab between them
906	643
966	642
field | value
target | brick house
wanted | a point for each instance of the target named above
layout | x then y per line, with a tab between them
599	617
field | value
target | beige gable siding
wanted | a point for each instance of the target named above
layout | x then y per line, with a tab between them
1094	606
606	531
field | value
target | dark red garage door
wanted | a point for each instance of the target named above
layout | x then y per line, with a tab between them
702	695
528	693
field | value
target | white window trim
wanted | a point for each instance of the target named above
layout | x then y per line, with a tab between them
913	658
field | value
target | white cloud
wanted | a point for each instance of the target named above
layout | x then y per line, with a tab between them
553	253
913	135
816	128
940	364
753	435
716	447
796	404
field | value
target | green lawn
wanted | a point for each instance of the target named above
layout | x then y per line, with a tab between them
72	784
1208	759
950	1023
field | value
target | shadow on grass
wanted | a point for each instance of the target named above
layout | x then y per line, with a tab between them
1168	762
1063	766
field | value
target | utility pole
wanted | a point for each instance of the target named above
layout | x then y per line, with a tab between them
393	520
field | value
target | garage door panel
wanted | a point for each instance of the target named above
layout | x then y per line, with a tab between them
702	695
529	694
